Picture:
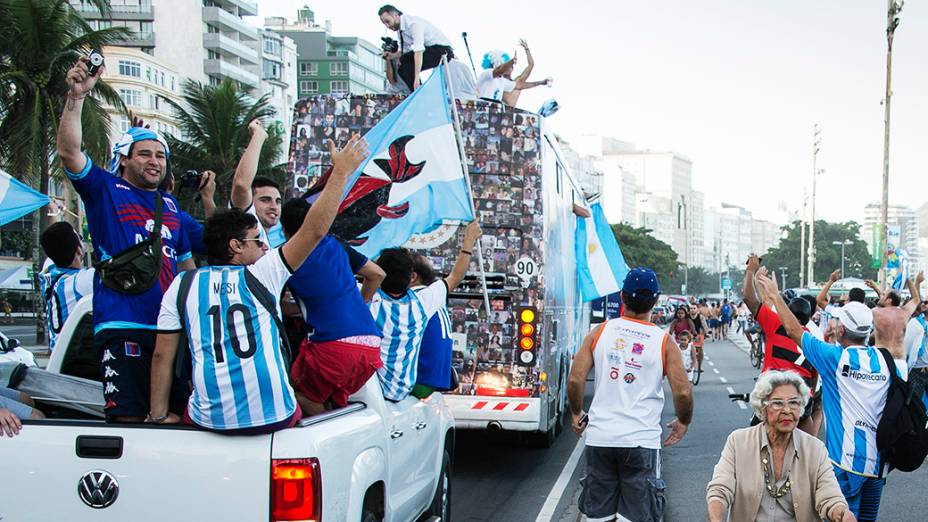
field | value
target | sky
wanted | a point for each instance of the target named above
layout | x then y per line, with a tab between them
735	86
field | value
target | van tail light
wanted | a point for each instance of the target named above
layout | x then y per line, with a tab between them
296	490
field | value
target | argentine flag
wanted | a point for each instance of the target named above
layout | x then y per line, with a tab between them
412	182
601	266
17	199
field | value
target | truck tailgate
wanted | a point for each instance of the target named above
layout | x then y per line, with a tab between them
62	470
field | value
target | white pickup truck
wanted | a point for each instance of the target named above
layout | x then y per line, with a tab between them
370	461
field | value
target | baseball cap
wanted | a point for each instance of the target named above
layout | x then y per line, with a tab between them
641	282
856	318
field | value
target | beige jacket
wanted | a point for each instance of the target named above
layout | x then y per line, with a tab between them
738	479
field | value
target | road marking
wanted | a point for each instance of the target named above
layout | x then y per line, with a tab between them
716	370
557	491
711	363
730	390
742	405
724	380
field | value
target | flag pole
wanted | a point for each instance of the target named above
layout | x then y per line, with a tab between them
470	190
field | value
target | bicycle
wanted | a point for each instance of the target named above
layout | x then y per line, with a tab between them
697	371
757	339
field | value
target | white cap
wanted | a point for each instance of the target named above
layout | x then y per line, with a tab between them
856	318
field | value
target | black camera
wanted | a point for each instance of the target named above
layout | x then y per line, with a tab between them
389	45
96	61
190	179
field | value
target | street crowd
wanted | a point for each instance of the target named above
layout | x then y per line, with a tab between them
854	368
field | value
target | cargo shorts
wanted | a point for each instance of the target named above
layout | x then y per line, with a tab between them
622	481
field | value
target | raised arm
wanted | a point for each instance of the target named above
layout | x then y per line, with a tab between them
914	292
876	288
207	193
747	290
822	299
768	283
471	233
247	167
320	216
70	134
529	66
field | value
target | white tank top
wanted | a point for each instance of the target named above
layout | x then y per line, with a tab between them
628	363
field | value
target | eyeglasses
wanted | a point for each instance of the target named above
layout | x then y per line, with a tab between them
257	240
779	404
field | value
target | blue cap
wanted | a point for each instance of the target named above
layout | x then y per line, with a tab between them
641	282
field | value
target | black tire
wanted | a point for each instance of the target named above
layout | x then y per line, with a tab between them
697	374
371	511
441	501
755	356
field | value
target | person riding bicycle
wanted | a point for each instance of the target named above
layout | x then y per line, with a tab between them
699	335
684	341
781	352
681	323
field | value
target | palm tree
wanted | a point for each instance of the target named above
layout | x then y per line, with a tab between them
39	42
213	122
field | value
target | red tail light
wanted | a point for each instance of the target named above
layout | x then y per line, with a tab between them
296	490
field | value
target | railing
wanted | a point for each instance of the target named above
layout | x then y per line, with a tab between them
144	7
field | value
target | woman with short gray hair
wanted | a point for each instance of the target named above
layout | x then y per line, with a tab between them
782	473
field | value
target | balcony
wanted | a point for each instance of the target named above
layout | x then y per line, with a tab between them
245	7
144	11
224	69
145	39
228	47
222	18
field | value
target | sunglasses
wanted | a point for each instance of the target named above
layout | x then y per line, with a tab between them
257	240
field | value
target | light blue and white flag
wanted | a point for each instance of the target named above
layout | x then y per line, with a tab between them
600	264
412	182
17	199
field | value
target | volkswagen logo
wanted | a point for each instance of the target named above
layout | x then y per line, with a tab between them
98	489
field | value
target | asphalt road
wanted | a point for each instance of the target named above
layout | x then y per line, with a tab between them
497	477
22	330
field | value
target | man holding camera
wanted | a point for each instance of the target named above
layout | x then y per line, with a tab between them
138	241
421	44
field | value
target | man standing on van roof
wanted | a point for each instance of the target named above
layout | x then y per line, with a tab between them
631	356
421	44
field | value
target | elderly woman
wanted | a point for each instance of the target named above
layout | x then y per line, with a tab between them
773	471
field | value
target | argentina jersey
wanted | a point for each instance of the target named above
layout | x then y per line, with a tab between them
855	383
239	374
402	322
61	289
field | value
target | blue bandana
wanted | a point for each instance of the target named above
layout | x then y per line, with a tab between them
134	134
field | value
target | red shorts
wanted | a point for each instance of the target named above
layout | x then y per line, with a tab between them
333	370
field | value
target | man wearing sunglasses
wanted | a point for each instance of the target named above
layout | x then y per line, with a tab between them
229	314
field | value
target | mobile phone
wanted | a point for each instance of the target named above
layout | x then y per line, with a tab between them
96	61
585	419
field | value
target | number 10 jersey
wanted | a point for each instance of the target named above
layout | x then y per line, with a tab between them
239	374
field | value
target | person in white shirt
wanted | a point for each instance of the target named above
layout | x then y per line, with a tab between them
421	44
496	83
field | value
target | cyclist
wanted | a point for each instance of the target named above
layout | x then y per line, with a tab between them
699	334
681	322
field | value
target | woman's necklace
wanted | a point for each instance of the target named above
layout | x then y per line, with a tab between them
772	490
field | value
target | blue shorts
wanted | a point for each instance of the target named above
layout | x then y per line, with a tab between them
714	323
10	400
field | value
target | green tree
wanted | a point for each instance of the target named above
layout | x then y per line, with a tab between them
213	122
39	41
827	254
640	248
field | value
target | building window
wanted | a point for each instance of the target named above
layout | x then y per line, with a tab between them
339	87
309	87
131	97
148	73
128	68
124	124
272	46
270	70
309	69
338	69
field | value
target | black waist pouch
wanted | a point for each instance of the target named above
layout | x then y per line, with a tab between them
136	269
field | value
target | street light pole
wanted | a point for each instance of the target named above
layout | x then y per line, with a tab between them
843	244
783	276
816	141
802	238
892	22
681	206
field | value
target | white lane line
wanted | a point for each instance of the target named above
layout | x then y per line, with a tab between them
742	405
716	370
724	380
711	363
730	390
557	491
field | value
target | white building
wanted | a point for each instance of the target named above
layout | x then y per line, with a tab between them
728	230
141	81
205	40
906	218
764	236
584	168
618	189
279	80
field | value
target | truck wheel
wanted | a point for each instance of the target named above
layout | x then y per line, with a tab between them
371	512
441	502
